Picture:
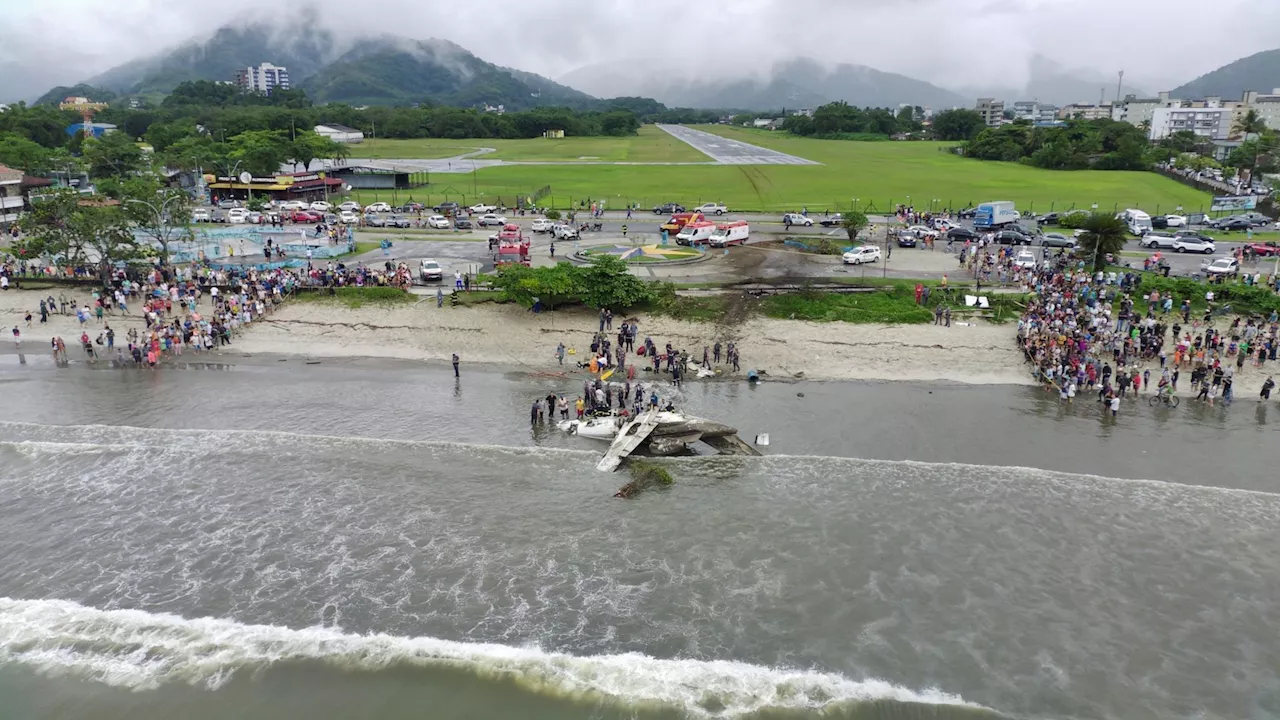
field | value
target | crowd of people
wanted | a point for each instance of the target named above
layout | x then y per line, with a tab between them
1089	332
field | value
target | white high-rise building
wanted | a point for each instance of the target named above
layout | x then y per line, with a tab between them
264	78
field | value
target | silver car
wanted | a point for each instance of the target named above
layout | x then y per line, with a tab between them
1154	240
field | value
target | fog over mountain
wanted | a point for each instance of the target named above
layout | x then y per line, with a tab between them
955	45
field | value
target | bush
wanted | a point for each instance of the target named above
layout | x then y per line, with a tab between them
552	214
895	306
355	297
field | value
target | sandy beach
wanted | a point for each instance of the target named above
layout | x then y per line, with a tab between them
508	336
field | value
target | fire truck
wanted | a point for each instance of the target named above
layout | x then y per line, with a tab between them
513	247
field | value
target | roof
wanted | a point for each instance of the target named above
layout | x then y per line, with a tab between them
336	127
8	174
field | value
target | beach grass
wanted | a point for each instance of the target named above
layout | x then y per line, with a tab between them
650	145
356	297
878	175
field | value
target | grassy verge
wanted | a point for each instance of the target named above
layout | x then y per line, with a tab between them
356	297
362	246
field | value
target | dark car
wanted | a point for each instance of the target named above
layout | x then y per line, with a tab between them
668	209
375	221
1048	218
1159	222
412	207
447	208
1236	226
1012	237
399	221
462	224
832	220
1022	229
968	213
906	239
961	234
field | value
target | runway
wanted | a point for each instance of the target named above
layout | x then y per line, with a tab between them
731	152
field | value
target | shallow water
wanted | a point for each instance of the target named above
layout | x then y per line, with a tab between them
369	540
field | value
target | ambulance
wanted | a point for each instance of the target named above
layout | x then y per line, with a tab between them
732	233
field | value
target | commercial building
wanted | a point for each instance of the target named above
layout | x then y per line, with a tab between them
289	186
11	200
991	110
1213	123
264	78
340	133
1076	111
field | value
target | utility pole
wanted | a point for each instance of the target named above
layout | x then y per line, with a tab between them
1118	84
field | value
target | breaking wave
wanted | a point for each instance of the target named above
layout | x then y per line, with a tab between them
141	651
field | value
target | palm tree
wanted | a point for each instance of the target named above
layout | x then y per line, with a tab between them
1103	234
1250	123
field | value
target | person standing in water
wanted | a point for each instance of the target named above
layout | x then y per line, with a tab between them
455	365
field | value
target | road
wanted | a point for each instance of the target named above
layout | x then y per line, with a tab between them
731	152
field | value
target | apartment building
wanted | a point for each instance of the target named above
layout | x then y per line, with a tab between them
991	110
1078	111
1035	112
11	200
1213	123
263	78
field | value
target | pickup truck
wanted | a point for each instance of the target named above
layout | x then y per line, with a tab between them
668	209
711	209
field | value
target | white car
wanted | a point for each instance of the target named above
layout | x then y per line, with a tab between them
430	270
237	215
921	231
294	205
1154	240
1192	243
711	209
541	225
797	219
201	215
377	208
1221	266
491	219
561	231
349	217
255	217
321	206
350	205
481	209
861	254
1176	220
1025	259
439	222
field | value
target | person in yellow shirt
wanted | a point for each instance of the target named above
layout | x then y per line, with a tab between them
578	406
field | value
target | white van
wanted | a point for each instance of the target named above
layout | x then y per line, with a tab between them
1139	223
734	233
695	233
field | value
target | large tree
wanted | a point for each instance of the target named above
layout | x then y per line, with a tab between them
1103	234
156	211
957	125
309	146
77	230
22	154
853	222
260	152
198	152
113	155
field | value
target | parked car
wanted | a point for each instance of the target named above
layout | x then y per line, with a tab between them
378	207
541	225
832	220
1153	240
321	206
1256	218
861	254
1057	240
920	231
293	205
1221	266
1237	225
430	271
1012	237
329	219
967	213
481	208
906	239
1265	249
712	209
668	209
412	207
1050	218
254	217
1194	243
374	220
350	206
439	222
448	207
797	219
1174	221
399	221
492	220
201	215
961	234
461	223
229	204
1025	259
219	215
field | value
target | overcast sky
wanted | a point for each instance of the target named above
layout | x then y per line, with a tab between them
1159	43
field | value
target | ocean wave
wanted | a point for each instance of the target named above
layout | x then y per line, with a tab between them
142	651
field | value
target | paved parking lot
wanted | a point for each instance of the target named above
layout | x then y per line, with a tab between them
732	152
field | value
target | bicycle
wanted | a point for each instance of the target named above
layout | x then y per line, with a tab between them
1169	401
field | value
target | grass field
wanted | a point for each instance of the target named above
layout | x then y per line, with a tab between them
651	145
877	174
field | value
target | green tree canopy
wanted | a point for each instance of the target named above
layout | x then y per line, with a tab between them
158	212
1103	234
71	228
309	146
22	154
260	152
853	222
112	155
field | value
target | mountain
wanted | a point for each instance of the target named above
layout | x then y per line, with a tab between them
1050	82
1260	72
301	48
801	82
62	92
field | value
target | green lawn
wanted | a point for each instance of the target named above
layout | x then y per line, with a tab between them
878	174
651	145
